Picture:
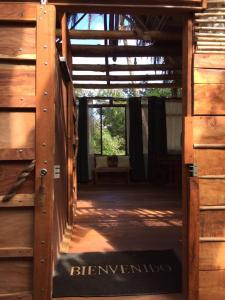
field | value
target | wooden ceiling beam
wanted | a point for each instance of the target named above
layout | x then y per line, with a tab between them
127	85
120	35
129	6
102	68
125	51
125	77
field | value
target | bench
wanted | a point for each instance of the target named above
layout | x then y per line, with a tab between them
114	168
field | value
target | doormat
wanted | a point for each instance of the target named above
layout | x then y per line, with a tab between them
117	274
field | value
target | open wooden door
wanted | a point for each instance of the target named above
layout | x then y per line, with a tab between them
204	153
27	121
189	176
209	160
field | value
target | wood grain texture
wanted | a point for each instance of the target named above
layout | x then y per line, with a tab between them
212	223
108	219
209	294
60	188
17	296
17	80
212	285
146	297
209	61
212	279
17	12
212	256
209	130
212	191
16	252
118	67
19	200
188	140
45	133
124	51
17	154
17	130
209	99
16	228
210	162
9	172
17	42
16	101
121	35
193	240
155	7
209	76
17	275
187	99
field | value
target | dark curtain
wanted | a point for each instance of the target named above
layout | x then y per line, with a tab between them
82	158
157	133
136	140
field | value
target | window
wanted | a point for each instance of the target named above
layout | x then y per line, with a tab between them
107	129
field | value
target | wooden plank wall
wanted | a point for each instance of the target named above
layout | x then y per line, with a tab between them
34	124
60	158
209	156
65	184
61	175
29	93
17	147
209	148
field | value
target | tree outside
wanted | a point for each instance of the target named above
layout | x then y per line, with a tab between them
107	125
107	128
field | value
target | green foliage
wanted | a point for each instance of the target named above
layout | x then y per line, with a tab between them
95	139
113	130
112	145
113	119
101	93
161	93
113	125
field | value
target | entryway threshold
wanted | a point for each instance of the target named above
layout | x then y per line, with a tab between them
144	297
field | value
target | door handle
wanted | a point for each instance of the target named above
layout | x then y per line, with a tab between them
41	193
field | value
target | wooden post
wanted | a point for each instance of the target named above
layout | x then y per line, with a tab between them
187	143
66	52
45	130
193	239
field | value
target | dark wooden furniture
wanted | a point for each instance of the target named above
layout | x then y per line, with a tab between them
166	169
112	173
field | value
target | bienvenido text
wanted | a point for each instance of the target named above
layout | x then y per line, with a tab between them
119	269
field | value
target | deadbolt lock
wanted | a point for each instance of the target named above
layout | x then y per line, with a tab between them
43	172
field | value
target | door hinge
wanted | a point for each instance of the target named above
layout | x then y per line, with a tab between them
193	170
57	172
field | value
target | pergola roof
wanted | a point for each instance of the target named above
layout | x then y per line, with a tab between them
158	37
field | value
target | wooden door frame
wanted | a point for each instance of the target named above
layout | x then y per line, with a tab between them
190	183
187	151
44	150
